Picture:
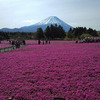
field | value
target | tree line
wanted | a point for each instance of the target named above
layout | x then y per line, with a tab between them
4	35
17	35
81	33
51	32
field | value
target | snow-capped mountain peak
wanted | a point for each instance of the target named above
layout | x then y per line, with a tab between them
50	20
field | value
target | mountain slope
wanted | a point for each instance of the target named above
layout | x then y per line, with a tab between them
47	22
43	24
51	20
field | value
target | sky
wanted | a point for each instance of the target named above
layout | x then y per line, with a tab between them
77	13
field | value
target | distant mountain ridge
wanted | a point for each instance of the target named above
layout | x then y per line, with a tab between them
43	24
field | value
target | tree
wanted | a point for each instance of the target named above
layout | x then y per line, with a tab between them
48	32
61	32
52	31
55	32
85	35
39	34
4	35
77	32
92	32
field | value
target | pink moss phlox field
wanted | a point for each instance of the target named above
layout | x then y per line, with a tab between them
42	72
31	41
4	44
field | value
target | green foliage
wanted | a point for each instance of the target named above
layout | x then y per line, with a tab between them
77	33
98	33
66	38
39	34
4	36
61	32
51	32
54	32
17	35
92	32
70	33
85	35
47	32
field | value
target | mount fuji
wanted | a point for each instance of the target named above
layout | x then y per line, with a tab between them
43	24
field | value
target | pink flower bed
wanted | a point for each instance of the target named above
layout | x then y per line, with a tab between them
4	46
52	42
31	41
5	42
43	72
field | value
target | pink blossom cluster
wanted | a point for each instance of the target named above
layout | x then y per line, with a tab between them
44	72
5	42
62	42
52	42
4	46
31	41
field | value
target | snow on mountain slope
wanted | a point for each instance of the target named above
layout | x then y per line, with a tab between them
47	22
50	20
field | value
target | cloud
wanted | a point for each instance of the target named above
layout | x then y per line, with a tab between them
31	21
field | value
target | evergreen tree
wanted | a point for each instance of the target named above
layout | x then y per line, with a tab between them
92	32
55	32
52	31
78	31
61	32
69	33
4	35
39	34
48	32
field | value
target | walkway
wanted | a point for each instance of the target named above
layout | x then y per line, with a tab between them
10	48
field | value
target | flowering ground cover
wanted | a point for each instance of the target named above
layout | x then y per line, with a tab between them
52	42
4	44
31	41
42	72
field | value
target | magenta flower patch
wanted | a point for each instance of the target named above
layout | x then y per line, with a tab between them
61	69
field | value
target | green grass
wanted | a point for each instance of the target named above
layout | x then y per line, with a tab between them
10	48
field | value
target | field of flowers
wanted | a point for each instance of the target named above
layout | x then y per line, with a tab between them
4	44
43	72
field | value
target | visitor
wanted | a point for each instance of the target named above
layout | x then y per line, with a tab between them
39	42
46	41
76	41
43	41
24	42
18	44
13	44
49	41
9	41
